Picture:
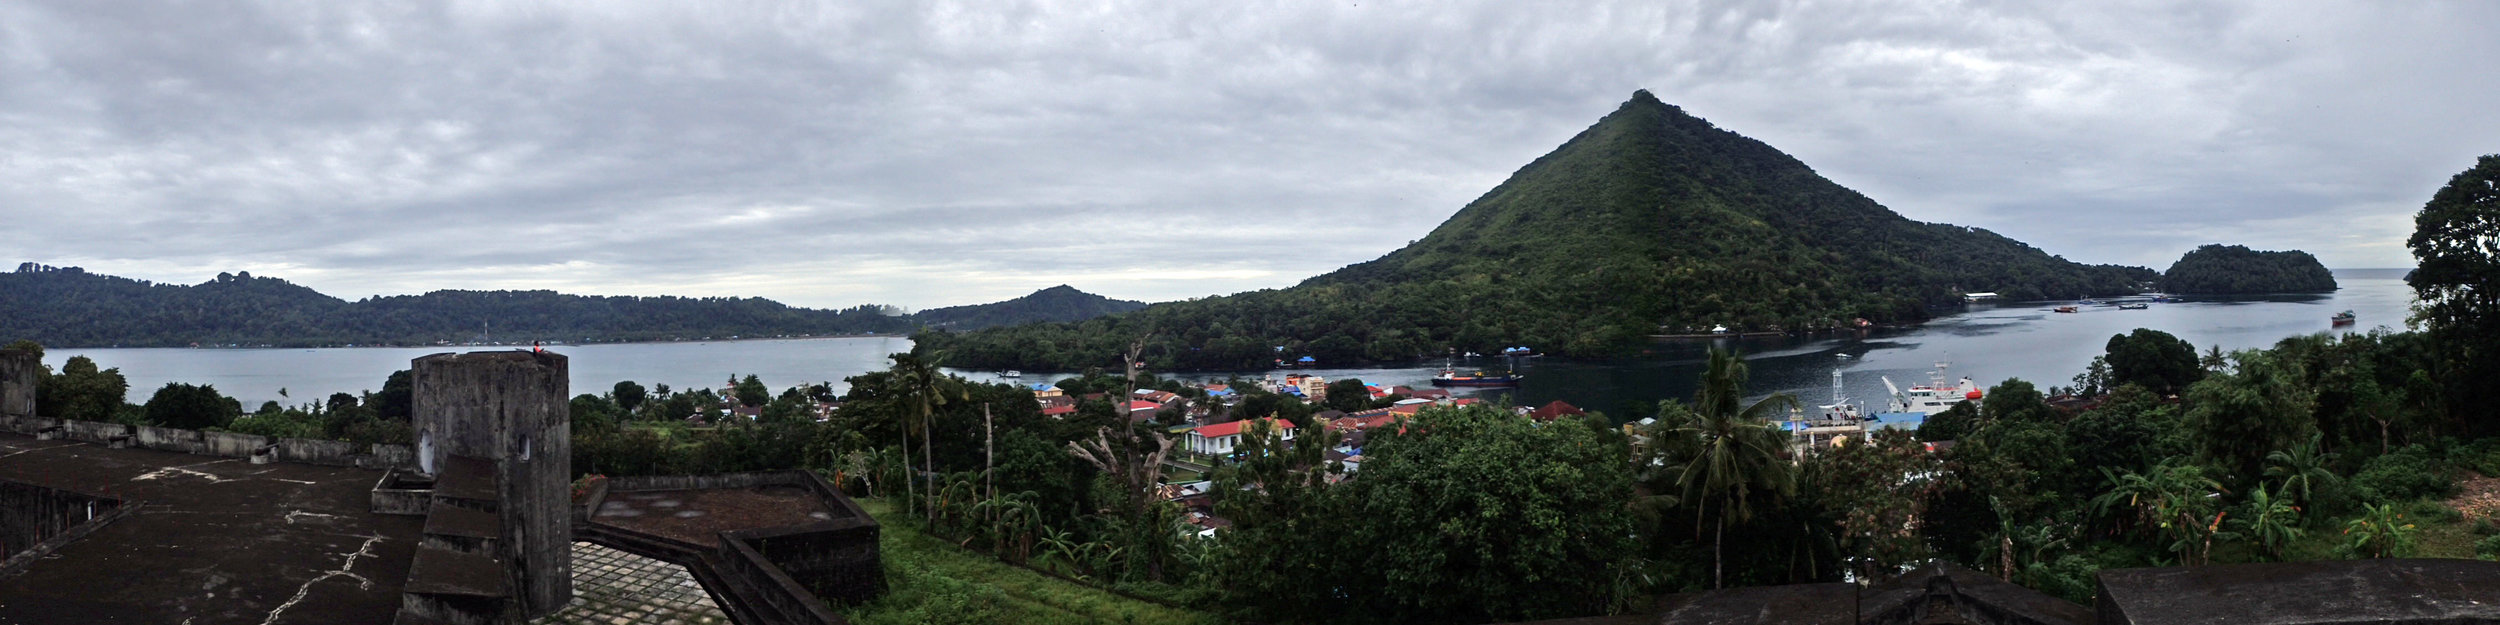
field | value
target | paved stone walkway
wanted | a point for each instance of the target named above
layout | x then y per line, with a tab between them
612	587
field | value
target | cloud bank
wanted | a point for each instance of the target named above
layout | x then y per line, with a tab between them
937	153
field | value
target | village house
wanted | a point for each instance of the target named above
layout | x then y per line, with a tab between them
1220	439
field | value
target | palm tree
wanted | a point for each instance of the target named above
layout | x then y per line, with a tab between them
2301	468
1740	452
923	388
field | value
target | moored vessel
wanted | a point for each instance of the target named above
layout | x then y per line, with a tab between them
1449	377
1932	398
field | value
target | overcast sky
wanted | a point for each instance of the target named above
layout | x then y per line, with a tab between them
927	154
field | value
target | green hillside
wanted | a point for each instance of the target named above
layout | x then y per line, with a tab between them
1651	221
69	307
2228	269
1058	303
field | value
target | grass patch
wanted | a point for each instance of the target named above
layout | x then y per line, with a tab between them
933	581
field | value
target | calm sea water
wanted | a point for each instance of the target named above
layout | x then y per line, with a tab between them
1989	343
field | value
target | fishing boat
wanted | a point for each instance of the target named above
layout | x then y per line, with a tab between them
2064	309
2134	306
1450	377
2343	318
1932	398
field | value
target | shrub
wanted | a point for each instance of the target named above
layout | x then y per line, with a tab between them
2403	475
2488	548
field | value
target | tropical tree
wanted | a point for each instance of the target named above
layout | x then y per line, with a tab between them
1739	456
2458	281
2302	469
2271	520
922	389
2174	499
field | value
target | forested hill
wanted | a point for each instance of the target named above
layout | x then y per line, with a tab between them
69	307
1651	221
2228	269
1058	303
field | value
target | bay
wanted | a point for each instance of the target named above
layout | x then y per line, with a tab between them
1988	342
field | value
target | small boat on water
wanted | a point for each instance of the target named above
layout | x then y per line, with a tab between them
2087	302
2343	318
1452	378
2134	306
1011	374
2063	309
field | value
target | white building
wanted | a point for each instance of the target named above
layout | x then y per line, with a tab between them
1222	438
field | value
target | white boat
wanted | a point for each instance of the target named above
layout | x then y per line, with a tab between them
1932	398
1012	374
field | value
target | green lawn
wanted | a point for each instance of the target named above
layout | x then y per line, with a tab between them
933	581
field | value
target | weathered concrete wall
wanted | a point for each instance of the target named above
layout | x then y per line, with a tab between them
392	495
230	444
310	451
167	439
766	586
17	382
840	564
386	456
30	425
31	516
92	431
509	408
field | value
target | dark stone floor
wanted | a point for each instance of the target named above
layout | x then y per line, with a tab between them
699	516
212	540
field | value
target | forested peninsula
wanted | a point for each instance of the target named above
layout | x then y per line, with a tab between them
71	307
1652	221
2217	269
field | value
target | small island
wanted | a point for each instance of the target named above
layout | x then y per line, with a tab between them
2217	269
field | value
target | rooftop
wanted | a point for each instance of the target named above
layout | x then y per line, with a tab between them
699	516
214	540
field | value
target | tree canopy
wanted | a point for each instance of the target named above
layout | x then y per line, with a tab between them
2228	269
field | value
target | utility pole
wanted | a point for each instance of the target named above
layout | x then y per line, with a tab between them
989	453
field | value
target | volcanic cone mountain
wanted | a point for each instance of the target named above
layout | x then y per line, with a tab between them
1651	221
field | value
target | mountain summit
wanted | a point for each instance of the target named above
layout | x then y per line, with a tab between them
1651	221
1058	303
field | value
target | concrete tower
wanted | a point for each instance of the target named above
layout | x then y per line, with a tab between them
507	411
17	382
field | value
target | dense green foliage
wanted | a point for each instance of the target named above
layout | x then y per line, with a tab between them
1055	304
69	307
2218	269
2152	359
2456	238
189	407
1468	515
1651	221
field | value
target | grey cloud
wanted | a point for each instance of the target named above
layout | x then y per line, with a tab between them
928	154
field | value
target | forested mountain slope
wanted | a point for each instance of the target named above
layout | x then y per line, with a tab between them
1058	303
69	307
1651	221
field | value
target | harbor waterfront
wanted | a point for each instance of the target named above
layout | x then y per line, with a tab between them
1989	342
